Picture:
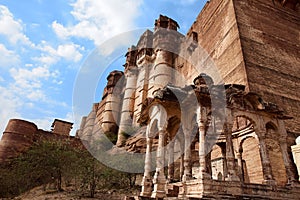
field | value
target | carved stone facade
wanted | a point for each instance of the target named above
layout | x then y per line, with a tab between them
250	148
214	137
235	141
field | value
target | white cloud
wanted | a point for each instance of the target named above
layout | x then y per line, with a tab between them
50	55
99	20
44	123
36	95
8	58
70	117
69	52
182	2
28	65
21	75
60	30
187	1
28	82
9	105
58	82
46	59
11	28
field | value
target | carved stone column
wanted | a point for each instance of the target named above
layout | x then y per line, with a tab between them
202	120
187	175
287	162
267	171
147	180
240	166
231	175
181	170
159	179
223	151
171	161
285	154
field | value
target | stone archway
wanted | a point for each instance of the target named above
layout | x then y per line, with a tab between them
252	166
218	162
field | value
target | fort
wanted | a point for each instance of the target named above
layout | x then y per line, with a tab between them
217	108
20	135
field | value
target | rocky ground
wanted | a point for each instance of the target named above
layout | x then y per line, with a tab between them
39	193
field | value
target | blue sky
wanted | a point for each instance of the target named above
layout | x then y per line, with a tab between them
43	45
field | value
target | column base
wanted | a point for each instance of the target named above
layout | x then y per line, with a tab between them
159	191
204	175
158	194
293	183
146	187
232	177
269	182
186	178
160	184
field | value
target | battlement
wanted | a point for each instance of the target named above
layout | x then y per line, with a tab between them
166	22
61	127
20	135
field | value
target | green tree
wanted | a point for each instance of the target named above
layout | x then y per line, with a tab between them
43	162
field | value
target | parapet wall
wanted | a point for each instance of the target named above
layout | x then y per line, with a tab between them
17	137
20	135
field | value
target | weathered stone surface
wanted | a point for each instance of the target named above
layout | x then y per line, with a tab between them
261	40
61	127
17	137
255	46
269	36
20	135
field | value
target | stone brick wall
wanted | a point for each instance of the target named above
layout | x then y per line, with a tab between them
17	137
253	168
20	135
218	34
270	40
255	43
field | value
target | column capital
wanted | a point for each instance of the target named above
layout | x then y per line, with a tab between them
227	127
201	115
261	134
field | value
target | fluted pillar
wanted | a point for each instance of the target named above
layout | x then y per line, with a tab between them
171	161
187	172
147	180
231	167
159	179
202	121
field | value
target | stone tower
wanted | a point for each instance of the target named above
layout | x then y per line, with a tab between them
61	127
17	137
109	108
